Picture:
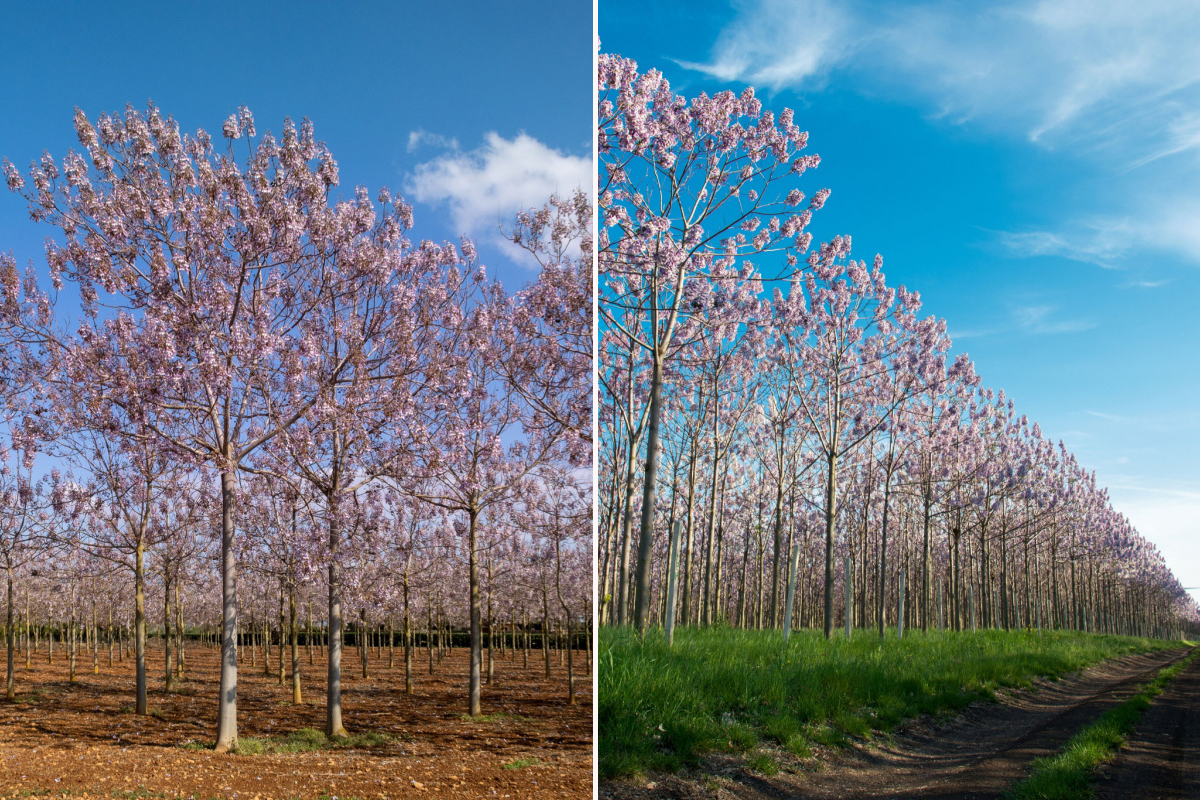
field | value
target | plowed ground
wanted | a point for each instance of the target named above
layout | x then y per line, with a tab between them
83	740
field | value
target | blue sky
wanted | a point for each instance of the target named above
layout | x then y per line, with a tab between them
1032	168
472	109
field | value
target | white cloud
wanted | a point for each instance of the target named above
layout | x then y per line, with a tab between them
421	137
485	188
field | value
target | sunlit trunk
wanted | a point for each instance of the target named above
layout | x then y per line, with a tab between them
227	693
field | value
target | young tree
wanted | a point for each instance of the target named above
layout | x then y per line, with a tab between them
689	190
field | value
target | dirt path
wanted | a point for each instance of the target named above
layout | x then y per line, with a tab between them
1162	758
977	755
81	739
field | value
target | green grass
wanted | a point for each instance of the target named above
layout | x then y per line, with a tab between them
521	763
763	763
1068	774
721	689
304	740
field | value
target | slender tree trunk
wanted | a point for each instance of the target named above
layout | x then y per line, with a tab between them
641	598
626	541
926	558
297	698
10	691
363	645
476	635
830	523
227	696
408	673
168	672
139	626
333	703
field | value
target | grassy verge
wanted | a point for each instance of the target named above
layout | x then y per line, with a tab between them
729	690
1067	775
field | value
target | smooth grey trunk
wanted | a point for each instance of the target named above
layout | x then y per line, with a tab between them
11	682
672	582
626	539
408	636
848	596
641	598
168	673
475	708
830	523
706	607
926	561
776	561
139	627
793	571
227	696
333	702
297	698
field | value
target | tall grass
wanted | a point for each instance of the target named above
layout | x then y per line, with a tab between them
725	689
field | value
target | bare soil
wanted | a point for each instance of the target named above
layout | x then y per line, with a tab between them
1161	761
83	740
977	754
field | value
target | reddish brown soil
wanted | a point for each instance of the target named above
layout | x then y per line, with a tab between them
81	739
976	755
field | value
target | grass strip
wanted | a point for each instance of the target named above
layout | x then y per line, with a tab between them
305	740
723	689
1068	775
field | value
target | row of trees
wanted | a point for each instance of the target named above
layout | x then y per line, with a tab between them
405	599
229	368
813	453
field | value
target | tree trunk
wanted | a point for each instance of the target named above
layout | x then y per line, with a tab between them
476	635
168	672
10	691
830	522
296	696
408	674
139	626
641	599
227	697
333	703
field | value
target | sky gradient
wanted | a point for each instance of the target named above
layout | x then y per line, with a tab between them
1031	168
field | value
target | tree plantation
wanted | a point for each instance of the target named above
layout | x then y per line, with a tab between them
259	427
786	442
816	520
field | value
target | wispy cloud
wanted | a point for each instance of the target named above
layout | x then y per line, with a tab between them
1098	244
1066	72
1106	81
778	44
1165	224
1038	320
